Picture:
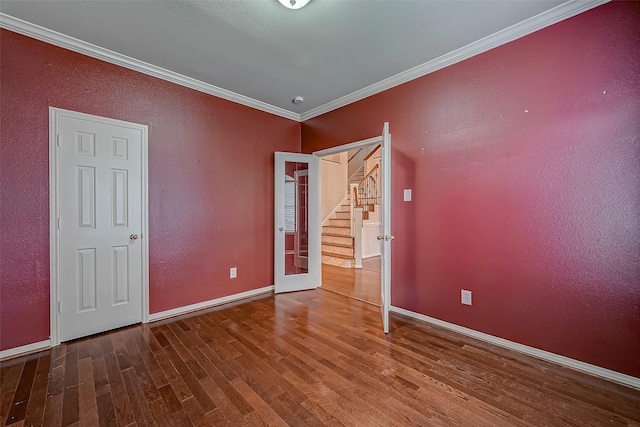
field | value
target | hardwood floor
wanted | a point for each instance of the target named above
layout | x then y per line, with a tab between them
360	284
305	358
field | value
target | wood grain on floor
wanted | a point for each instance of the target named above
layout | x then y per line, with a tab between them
305	358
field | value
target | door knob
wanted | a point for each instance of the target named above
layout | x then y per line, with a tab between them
281	228
134	237
380	237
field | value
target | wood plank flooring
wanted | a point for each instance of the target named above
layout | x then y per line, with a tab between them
360	284
306	358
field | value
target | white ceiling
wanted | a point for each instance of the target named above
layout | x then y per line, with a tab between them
259	53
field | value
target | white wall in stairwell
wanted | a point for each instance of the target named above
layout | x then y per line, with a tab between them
333	171
371	229
373	160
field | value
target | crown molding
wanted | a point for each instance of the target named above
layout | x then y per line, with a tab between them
55	38
514	32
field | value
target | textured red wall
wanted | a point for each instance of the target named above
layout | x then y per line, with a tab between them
525	168
210	180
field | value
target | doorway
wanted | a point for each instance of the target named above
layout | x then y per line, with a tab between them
98	224
350	198
310	278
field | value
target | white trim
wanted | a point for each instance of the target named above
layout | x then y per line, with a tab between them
54	246
531	351
326	220
54	211
67	42
371	256
24	349
385	229
206	304
348	147
514	32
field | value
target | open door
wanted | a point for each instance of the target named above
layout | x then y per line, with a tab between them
297	258
385	166
386	237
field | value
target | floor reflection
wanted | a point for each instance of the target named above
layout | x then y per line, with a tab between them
360	284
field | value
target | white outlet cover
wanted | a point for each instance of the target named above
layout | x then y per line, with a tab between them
466	297
407	195
233	273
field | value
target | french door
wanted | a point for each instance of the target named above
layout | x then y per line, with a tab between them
297	260
297	220
386	237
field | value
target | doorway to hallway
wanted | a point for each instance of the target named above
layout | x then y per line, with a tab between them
362	284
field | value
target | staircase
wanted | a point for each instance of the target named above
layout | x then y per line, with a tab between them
337	243
338	246
357	176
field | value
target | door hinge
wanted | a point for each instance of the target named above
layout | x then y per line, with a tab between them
58	140
58	223
59	307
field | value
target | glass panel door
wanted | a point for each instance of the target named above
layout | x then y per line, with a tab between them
297	260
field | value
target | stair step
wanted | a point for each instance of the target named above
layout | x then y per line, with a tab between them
343	215
333	222
338	261
337	239
342	231
337	250
337	255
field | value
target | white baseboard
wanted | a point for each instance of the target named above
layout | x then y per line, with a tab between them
24	349
206	304
43	345
531	351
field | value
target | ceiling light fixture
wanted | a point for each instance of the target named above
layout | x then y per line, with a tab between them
294	4
298	100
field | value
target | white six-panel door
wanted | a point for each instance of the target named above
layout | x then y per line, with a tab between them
100	256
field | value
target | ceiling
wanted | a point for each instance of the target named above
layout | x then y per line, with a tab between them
258	53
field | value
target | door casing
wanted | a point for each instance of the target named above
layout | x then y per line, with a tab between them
54	212
386	176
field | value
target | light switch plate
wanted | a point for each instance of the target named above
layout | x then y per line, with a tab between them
407	195
466	297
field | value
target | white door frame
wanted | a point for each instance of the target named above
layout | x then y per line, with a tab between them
297	259
54	211
386	179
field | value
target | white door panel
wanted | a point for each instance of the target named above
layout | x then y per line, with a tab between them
297	257
386	237
100	227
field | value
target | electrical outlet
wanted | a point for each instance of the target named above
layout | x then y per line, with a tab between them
233	273
466	297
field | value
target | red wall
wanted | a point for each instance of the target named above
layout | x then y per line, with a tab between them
538	212
210	180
